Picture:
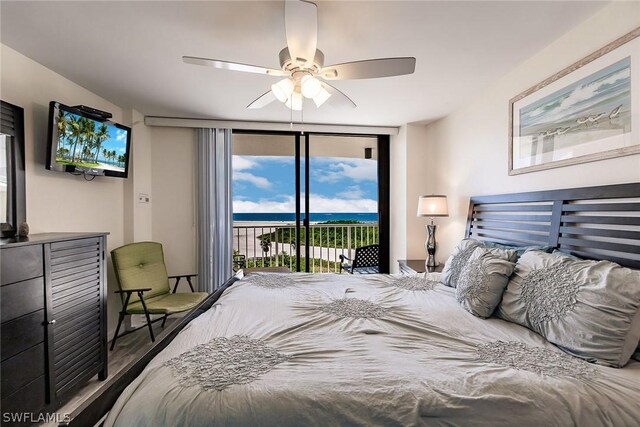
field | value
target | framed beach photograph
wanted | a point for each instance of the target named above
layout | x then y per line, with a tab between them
589	111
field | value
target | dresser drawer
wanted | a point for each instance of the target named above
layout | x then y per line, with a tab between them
19	370
31	398
21	298
21	263
21	333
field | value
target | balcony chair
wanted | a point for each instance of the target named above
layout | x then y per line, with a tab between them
365	261
239	262
144	285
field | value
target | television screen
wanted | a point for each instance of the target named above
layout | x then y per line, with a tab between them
84	143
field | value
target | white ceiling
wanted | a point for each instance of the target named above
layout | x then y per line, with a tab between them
130	52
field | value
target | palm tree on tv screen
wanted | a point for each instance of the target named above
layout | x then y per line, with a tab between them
88	133
63	133
75	131
101	136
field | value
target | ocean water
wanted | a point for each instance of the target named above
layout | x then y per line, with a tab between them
314	217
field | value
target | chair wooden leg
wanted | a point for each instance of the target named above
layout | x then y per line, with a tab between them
175	287
190	284
113	342
146	313
164	320
120	319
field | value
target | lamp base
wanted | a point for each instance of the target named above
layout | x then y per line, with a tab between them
430	246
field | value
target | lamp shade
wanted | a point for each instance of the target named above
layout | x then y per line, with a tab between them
433	206
321	97
283	89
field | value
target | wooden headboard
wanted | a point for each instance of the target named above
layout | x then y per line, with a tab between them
589	222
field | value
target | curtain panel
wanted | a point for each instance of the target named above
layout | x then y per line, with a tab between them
215	210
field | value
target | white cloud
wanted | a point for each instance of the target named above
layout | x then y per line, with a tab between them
355	169
239	163
258	181
121	135
318	203
352	192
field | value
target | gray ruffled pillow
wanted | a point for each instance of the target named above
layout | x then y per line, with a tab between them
459	258
483	280
590	309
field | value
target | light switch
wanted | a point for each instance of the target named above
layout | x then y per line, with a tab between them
143	198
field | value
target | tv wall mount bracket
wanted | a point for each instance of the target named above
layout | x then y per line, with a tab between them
98	115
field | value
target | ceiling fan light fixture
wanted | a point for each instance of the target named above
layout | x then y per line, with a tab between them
321	97
283	89
295	102
310	86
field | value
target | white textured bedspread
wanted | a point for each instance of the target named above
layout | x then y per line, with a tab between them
329	350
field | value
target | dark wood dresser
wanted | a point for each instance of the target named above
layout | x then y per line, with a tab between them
54	319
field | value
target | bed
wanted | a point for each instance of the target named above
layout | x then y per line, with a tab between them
302	349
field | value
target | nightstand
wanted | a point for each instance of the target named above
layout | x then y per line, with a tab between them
412	267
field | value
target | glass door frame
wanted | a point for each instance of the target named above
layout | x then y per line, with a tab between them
384	178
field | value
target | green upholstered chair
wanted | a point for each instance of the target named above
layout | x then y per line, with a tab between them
144	284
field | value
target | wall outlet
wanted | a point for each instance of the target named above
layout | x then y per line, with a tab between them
143	198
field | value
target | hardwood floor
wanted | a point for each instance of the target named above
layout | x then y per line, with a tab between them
127	351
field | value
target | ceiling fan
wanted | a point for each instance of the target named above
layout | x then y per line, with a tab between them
302	65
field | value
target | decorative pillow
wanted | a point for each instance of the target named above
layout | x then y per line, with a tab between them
460	256
482	282
590	309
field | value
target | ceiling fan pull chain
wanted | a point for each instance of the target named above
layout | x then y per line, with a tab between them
291	116
302	118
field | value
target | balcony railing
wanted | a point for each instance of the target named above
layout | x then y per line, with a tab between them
268	245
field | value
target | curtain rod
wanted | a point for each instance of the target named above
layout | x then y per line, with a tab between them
267	126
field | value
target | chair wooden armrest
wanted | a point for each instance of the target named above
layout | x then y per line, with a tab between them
130	291
180	276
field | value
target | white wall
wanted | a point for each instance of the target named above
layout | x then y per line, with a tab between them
470	145
173	222
56	201
413	169
137	214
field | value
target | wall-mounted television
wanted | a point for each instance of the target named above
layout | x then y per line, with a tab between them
84	141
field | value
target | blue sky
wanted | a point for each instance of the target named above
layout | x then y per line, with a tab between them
117	140
267	184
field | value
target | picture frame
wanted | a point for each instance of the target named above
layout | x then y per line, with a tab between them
587	112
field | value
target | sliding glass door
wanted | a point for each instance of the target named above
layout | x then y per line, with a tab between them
342	194
302	200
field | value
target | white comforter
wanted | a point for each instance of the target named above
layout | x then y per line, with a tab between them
418	358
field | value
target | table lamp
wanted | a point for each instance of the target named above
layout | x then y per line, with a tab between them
432	206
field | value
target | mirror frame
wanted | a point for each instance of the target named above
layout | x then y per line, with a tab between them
12	124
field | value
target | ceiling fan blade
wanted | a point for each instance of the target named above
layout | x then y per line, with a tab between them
301	25
338	98
262	101
234	66
370	69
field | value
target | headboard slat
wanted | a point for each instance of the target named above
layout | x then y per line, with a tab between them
620	234
512	226
583	219
590	222
603	207
531	218
514	208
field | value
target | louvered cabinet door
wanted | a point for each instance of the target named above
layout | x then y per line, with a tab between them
77	313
